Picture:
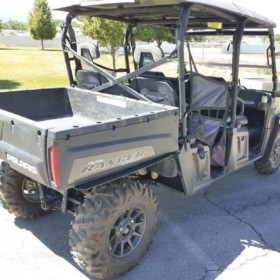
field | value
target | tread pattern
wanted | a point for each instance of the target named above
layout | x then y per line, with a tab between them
264	167
94	219
11	194
267	167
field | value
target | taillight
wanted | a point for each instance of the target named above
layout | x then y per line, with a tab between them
53	156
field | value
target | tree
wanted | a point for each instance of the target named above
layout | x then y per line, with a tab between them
15	25
1	26
196	38
150	33
58	23
40	22
76	23
108	33
277	38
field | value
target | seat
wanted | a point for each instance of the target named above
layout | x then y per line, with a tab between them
255	117
87	78
147	54
153	85
88	50
158	91
241	121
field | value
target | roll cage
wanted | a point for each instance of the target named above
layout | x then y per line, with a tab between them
184	18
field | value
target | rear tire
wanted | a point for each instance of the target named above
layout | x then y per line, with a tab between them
12	194
113	228
272	164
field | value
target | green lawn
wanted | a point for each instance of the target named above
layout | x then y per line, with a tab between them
31	68
23	68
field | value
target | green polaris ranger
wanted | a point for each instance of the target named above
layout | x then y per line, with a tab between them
93	149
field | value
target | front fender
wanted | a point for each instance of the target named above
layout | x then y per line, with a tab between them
275	131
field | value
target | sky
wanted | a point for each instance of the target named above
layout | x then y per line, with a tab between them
19	9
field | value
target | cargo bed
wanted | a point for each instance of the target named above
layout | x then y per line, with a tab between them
96	136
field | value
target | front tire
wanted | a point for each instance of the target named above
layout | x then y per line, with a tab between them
113	228
18	193
272	164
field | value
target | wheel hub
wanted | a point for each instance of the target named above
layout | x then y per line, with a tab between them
127	232
125	229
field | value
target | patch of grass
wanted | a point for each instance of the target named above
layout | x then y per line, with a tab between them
25	68
31	68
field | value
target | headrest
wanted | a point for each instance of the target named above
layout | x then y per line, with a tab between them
155	52
88	50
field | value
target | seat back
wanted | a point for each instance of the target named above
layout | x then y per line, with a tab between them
87	78
147	54
88	50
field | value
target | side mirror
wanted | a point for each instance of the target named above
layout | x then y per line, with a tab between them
89	50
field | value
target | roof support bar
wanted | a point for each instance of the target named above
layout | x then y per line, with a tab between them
273	62
237	38
127	47
64	38
181	31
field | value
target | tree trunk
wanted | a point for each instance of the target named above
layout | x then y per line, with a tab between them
159	42
113	54
42	44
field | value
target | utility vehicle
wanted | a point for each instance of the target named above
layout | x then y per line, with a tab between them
92	148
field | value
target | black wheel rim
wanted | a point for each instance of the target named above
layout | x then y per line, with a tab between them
127	232
30	191
275	157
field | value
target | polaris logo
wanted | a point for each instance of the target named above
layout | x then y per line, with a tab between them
22	164
102	165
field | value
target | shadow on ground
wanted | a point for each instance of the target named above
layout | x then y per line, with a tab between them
52	230
53	50
9	84
201	237
10	49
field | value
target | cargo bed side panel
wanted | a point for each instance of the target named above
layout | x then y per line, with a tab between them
88	157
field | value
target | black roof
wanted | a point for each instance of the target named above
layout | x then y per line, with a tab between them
166	12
